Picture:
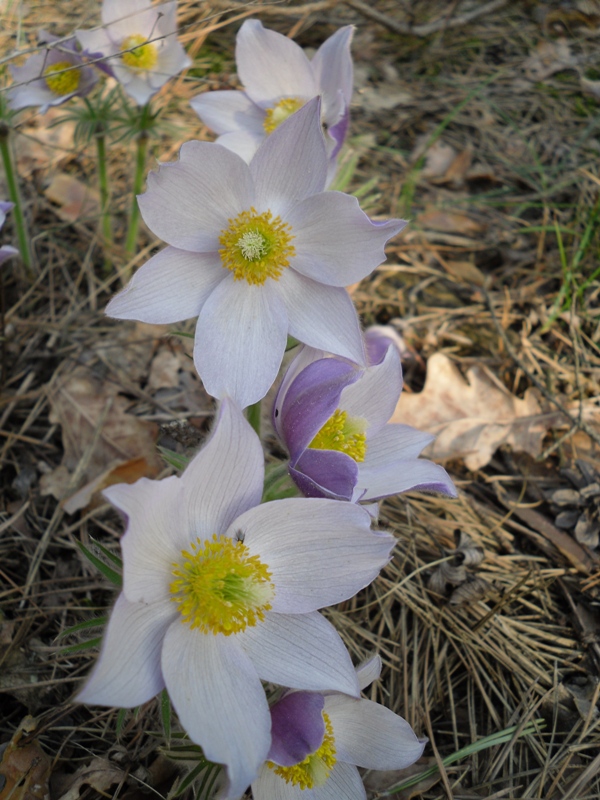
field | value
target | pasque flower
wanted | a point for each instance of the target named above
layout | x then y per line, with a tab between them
333	418
279	79
6	251
139	41
51	76
220	592
257	251
319	740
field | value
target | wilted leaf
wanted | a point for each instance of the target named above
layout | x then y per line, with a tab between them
98	434
469	592
548	58
25	768
471	418
449	222
75	199
383	780
99	775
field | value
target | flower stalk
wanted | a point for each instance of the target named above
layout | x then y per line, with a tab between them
105	221
138	179
253	413
15	197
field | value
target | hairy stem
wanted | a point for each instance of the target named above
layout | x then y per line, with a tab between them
105	224
15	197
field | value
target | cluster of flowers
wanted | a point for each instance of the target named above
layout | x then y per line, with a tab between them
220	591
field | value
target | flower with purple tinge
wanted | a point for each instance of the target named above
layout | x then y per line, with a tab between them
333	419
139	41
51	77
256	252
279	79
221	592
6	251
319	740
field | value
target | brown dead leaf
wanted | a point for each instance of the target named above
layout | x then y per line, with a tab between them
471	418
465	271
164	370
383	780
39	146
25	768
549	58
100	774
76	200
439	157
98	435
449	222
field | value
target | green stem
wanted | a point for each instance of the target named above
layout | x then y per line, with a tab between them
138	181
253	414
106	227
15	197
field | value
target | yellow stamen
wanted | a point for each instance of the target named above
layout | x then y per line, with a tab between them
64	82
343	433
315	769
143	56
256	246
220	588
280	112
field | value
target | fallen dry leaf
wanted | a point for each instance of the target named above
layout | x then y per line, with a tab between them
99	775
383	780
98	435
449	222
549	58
75	199
25	768
471	418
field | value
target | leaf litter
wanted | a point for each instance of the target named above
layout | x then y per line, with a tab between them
511	160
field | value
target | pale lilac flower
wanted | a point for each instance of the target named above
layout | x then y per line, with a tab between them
279	79
220	592
320	739
51	77
6	251
139	41
257	251
333	419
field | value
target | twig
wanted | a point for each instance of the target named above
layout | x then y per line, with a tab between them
429	27
579	423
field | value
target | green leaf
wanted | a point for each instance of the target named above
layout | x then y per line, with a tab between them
176	460
165	713
80	647
97	622
113	576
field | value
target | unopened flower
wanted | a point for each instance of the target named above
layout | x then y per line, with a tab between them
279	79
257	251
220	592
139	41
319	740
51	76
333	418
6	251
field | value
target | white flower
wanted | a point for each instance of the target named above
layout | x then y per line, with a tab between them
220	593
140	43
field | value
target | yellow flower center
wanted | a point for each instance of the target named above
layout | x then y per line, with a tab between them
64	82
280	112
143	56
220	588
315	769
343	433
256	246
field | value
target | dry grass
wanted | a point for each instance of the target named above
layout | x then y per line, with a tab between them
498	286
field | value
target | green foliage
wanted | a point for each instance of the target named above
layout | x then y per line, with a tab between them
112	575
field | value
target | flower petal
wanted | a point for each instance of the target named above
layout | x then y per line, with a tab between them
375	395
240	340
371	736
189	202
368	671
303	651
227	111
325	473
297	727
137	17
226	477
408	475
219	700
128	671
332	65
321	316
319	552
343	783
291	164
269	786
310	400
173	285
243	143
150	543
336	243
271	66
304	355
